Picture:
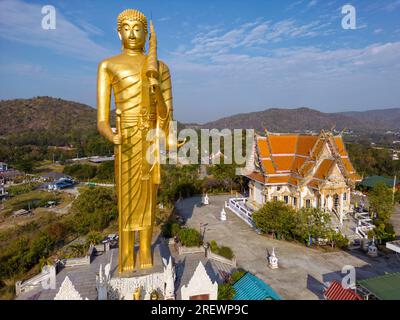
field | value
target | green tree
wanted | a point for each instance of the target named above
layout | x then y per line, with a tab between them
312	222
381	201
81	171
105	171
277	218
95	208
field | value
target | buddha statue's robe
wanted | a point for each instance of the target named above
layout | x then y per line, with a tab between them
139	114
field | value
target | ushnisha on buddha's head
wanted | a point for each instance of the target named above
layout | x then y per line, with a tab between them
132	29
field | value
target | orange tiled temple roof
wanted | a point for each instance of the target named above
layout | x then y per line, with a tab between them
290	158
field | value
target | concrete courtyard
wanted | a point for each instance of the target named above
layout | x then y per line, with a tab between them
302	271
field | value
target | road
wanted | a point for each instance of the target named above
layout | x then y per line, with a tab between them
302	271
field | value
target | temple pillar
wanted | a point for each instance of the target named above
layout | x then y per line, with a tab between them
341	208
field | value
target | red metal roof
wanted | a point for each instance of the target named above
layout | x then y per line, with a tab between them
337	292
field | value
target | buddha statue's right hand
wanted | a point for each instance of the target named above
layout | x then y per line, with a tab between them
117	140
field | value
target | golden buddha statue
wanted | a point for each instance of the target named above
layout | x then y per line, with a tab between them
136	294
142	92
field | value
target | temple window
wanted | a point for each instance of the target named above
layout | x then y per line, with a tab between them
344	196
275	198
286	199
308	203
294	201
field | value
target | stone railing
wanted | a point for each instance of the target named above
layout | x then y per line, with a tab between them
217	257
189	250
239	207
45	278
73	262
210	254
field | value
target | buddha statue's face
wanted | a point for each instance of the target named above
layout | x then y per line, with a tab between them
132	35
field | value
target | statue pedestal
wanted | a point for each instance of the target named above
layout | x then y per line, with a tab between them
157	265
141	283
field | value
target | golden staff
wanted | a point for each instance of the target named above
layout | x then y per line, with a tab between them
119	133
152	63
152	73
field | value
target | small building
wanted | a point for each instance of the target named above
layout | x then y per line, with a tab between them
21	212
200	286
250	287
3	193
3	167
302	170
10	175
386	287
371	181
335	291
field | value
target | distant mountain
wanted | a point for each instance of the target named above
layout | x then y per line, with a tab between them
389	118
293	120
52	116
45	114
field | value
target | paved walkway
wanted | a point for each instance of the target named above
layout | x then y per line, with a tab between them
302	270
395	220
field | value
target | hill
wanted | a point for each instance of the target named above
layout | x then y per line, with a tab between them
44	113
62	121
292	120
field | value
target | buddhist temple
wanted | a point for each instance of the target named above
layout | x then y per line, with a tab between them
302	170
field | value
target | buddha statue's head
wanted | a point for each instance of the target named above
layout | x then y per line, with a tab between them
132	29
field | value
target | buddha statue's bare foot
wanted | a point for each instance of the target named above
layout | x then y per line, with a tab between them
145	260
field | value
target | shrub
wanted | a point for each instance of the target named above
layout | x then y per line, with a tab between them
21	189
170	229
213	246
338	240
383	231
237	275
189	237
105	171
225	252
93	237
81	171
226	291
95	208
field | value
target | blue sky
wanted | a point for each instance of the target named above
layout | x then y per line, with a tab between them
226	57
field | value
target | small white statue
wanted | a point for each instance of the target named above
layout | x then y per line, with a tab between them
273	260
372	249
223	215
205	200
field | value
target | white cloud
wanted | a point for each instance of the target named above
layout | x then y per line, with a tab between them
312	3
217	71
393	5
21	22
251	34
